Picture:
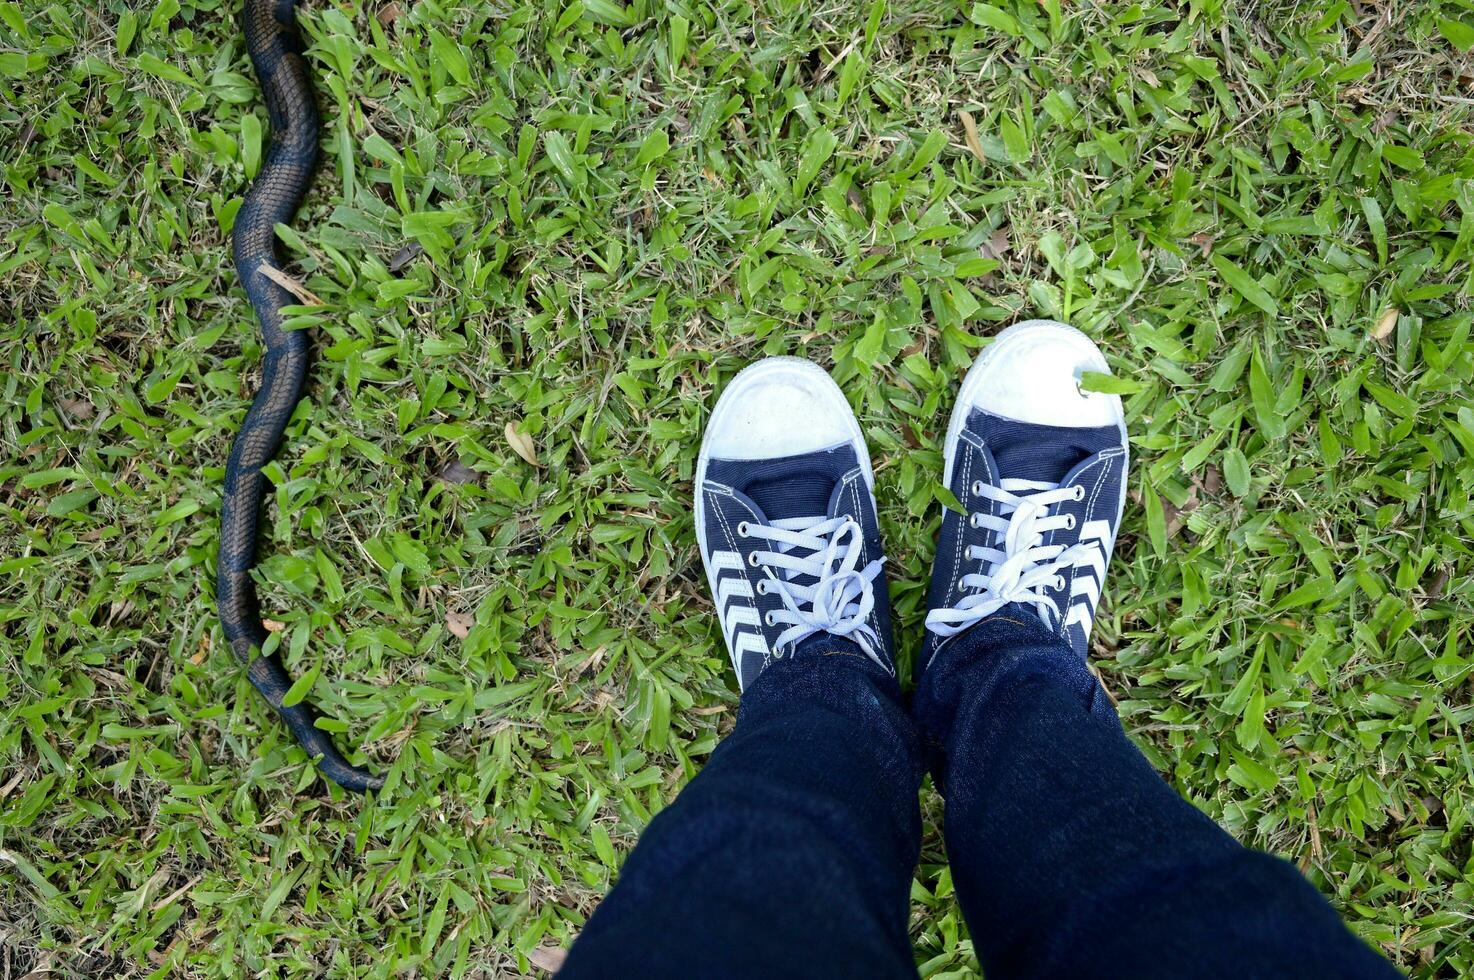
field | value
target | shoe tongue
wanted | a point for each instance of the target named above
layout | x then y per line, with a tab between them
789	486
1046	453
798	495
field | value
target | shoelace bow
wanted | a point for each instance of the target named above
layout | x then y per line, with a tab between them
826	550
1024	569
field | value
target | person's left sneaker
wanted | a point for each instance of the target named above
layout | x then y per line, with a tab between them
785	519
1040	467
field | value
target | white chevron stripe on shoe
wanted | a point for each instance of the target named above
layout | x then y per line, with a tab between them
735	617
1087	587
730	587
750	643
726	561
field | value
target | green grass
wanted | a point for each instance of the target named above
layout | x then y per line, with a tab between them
578	219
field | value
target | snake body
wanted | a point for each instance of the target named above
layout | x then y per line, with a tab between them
276	54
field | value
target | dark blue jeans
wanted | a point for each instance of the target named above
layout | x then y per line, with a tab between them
791	853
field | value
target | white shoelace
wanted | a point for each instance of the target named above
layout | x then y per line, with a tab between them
1025	569
826	549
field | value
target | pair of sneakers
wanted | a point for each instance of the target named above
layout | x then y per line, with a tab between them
785	505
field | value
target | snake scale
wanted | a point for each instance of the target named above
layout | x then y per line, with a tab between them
276	53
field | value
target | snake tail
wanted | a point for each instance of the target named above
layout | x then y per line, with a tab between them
276	54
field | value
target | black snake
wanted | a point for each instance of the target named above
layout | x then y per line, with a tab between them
276	53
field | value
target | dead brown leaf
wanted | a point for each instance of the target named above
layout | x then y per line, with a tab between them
970	133
459	624
389	13
997	244
548	958
1204	242
1175	515
77	408
12	784
594	660
521	444
119	610
1212	479
304	295
1386	323
273	625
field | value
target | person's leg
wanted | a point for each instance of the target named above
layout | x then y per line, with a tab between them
1070	855
1071	858
791	853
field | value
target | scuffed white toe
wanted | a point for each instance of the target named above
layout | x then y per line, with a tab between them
1031	373
780	406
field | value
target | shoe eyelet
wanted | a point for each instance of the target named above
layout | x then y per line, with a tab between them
1069	522
768	619
752	559
742	529
762	586
1080	491
975	521
1059	582
977	488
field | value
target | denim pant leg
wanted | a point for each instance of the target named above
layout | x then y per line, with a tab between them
1072	858
791	853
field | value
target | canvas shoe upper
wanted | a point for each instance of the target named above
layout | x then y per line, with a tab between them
1040	467
785	519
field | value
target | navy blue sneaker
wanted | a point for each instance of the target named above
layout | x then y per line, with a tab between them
1040	467
785	518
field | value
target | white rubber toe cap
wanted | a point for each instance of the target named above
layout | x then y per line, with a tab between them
780	406
1031	373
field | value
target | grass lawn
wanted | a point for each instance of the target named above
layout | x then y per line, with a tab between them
544	235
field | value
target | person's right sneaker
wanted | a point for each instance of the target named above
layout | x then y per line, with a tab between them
1040	467
786	521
